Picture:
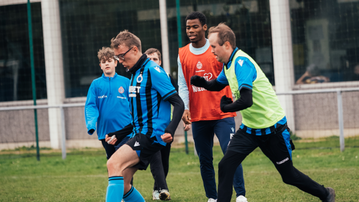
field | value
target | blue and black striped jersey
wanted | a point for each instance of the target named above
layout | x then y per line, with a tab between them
150	87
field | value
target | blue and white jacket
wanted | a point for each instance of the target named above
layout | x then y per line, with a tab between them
107	106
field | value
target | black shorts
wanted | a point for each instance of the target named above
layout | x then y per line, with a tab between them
276	145
145	148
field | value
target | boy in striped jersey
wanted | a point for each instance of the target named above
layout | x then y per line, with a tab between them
151	96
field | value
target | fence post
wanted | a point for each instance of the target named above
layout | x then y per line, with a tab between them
179	31
164	36
340	120
63	134
33	84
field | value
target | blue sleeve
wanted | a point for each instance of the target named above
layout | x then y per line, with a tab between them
246	73
222	77
91	108
161	82
127	84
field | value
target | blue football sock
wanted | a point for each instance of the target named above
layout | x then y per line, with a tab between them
133	196
114	189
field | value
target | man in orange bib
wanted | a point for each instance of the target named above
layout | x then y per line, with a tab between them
202	110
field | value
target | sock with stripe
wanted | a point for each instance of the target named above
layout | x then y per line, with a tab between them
114	189
133	196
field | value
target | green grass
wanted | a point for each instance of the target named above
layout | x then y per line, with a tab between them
82	176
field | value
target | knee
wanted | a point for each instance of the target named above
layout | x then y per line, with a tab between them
287	179
289	176
156	159
230	158
222	164
205	158
206	163
112	165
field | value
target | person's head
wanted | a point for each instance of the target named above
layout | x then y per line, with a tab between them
107	62
154	55
127	48
223	41
313	70
356	69
196	26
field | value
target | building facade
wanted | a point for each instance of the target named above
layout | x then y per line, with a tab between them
301	45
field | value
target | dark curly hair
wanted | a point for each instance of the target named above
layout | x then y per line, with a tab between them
197	15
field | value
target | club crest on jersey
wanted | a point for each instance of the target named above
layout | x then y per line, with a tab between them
199	65
121	90
139	78
158	69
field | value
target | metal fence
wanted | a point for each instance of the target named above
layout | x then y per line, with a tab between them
338	92
69	119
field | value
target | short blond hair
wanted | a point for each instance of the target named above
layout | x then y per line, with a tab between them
126	38
105	53
224	34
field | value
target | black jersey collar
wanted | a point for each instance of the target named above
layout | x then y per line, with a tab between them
138	64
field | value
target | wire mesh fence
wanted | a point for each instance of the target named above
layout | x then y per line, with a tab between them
324	44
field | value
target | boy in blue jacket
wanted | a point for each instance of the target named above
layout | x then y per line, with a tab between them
107	106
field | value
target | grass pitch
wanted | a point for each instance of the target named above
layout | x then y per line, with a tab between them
82	176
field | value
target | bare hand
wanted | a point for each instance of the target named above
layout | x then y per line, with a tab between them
186	127
186	117
167	138
307	74
112	142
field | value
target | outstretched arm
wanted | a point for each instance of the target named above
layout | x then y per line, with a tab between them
212	85
301	79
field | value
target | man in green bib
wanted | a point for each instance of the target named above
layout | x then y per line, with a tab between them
264	123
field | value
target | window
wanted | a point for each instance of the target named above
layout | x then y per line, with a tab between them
15	66
325	40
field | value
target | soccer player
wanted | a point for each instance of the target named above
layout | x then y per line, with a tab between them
264	123
151	95
202	106
160	161
107	106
